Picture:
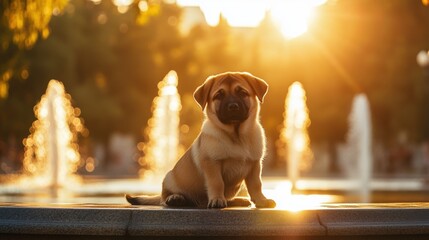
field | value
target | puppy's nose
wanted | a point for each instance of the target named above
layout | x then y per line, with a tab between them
232	107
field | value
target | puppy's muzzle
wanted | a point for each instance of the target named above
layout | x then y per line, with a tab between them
232	110
233	107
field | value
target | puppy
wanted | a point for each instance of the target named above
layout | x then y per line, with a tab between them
228	151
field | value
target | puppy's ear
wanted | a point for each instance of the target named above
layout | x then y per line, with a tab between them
201	94
258	85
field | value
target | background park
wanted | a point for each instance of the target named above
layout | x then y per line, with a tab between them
111	55
346	115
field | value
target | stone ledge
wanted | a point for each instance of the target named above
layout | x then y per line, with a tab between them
349	222
358	221
227	222
59	220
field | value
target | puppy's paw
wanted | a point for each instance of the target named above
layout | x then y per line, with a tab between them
217	203
266	203
176	200
239	202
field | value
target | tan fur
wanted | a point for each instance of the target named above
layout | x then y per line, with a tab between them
224	155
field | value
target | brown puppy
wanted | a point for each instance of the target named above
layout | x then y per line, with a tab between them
228	151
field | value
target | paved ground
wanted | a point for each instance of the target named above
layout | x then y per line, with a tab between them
117	221
49	217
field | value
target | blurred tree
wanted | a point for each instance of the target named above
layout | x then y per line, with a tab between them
144	55
21	23
109	63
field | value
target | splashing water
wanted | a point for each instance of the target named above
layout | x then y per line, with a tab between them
51	151
162	150
359	145
294	133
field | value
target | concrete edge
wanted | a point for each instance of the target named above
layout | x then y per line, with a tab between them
157	221
64	221
227	222
386	221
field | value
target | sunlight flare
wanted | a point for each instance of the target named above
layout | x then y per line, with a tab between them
285	200
292	17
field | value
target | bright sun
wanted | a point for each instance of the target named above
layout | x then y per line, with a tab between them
291	16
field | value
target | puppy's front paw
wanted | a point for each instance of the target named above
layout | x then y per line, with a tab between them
239	202
217	203
266	203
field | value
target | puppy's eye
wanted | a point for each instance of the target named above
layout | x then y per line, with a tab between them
242	92
219	95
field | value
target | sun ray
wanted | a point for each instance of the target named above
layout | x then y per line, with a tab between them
345	75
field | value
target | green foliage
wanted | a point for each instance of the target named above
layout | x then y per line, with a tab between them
27	19
109	63
21	23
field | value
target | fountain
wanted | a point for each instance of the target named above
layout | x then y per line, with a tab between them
51	151
162	150
51	155
294	133
294	146
359	146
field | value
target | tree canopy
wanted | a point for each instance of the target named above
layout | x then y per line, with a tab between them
22	22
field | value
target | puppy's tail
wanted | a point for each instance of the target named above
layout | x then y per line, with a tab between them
144	200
